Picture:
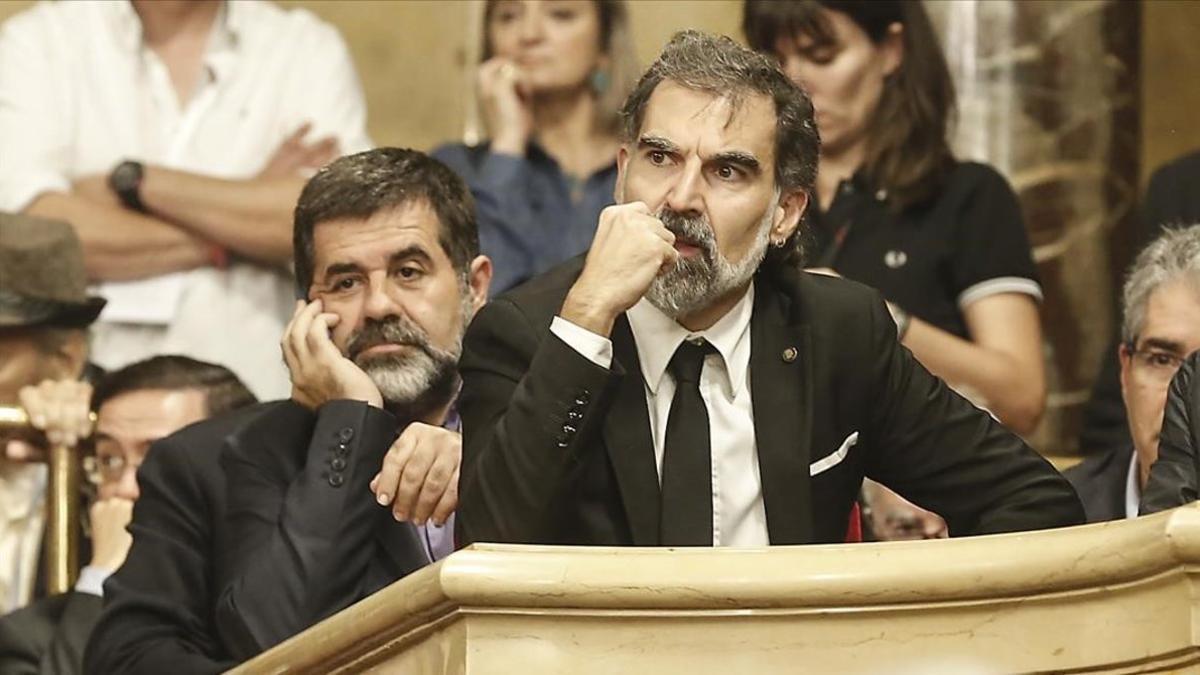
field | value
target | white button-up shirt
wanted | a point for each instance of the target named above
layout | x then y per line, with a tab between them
739	517
80	92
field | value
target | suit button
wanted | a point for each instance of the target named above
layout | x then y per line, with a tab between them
568	430
345	434
562	445
336	479
338	464
583	397
574	415
340	450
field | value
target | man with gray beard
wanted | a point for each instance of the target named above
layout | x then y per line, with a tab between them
350	485
687	384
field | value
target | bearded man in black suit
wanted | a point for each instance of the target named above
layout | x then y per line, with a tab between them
687	384
323	499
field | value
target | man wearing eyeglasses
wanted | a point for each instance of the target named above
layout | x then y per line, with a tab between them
134	407
1160	328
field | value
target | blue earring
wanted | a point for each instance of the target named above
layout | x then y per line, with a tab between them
599	81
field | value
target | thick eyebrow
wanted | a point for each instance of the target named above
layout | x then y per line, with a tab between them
739	158
415	251
658	143
1164	345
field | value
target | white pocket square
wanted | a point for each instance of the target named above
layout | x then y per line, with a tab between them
829	461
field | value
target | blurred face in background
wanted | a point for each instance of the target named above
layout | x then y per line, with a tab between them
1170	331
128	423
844	75
554	44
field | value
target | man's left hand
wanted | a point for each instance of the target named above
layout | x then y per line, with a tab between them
419	477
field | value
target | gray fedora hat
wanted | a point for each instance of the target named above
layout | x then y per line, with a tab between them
42	278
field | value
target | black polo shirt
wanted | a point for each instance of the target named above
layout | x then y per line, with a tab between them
935	258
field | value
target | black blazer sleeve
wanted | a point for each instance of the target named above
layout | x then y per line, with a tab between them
158	606
518	462
939	451
1173	475
48	637
300	519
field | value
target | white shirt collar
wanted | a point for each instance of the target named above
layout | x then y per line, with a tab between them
224	39
1133	488
658	336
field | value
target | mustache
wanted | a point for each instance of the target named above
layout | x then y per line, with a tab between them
695	230
392	330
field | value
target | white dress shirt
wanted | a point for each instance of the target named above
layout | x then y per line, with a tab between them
739	517
22	517
80	92
1133	488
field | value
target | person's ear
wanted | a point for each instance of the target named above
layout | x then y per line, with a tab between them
788	213
892	48
622	164
480	281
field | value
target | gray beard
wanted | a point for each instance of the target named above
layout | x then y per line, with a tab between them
421	378
692	284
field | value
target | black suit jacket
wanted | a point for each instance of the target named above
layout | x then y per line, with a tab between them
158	608
48	636
558	450
1173	476
1100	480
290	553
304	537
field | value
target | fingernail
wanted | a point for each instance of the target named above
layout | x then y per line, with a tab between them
382	498
400	516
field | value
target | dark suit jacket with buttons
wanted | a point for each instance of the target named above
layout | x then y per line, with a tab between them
304	536
158	608
558	450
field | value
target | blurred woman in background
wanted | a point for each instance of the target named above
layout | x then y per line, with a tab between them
943	240
552	76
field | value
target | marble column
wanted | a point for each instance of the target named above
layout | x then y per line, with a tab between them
1048	94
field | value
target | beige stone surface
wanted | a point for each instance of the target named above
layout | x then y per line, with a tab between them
1116	597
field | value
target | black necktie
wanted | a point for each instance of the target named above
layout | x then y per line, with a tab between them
687	458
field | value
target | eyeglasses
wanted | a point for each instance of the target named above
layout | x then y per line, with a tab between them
1158	366
107	468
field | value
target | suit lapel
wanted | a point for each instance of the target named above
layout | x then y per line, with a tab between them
627	438
781	396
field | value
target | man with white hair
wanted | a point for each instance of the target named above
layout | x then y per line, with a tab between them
1160	328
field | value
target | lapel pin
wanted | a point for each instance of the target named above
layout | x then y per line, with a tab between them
789	355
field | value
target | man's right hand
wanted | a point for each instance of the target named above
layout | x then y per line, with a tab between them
110	534
320	373
630	249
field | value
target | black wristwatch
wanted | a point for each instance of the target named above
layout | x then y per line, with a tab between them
126	180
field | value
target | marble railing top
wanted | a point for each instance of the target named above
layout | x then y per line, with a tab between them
492	577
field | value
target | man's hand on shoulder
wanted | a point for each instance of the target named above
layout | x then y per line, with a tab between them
319	372
419	476
630	249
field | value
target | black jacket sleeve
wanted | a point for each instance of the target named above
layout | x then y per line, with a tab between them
158	606
517	463
48	637
1173	475
299	519
941	452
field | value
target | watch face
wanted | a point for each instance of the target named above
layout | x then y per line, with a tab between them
126	175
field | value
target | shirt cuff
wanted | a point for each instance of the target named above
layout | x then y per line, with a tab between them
595	348
91	580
